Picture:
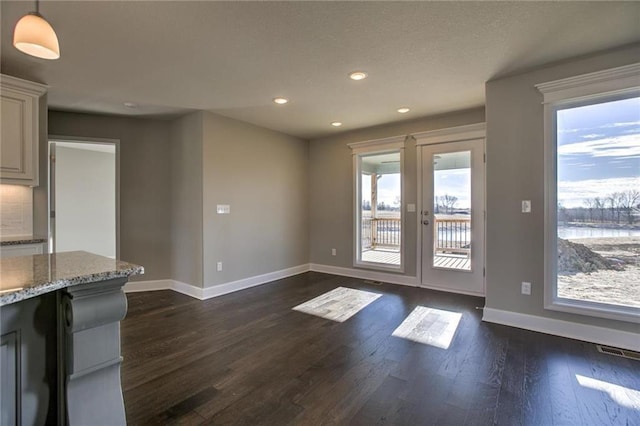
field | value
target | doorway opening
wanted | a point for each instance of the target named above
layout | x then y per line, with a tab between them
84	196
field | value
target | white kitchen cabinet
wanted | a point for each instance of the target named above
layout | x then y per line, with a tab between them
19	130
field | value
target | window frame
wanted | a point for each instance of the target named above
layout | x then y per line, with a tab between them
589	89
366	148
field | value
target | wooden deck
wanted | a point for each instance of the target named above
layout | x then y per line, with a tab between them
392	257
452	261
388	257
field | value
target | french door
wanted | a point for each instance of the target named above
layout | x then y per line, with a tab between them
452	216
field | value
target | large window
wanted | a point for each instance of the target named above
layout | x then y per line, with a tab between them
378	205
593	201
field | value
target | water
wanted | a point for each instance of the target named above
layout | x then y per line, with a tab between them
573	232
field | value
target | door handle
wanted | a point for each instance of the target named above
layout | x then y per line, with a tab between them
425	222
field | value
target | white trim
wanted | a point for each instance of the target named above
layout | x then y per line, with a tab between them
188	289
31	87
54	139
453	290
230	287
377	145
469	132
585	89
215	290
138	286
452	134
607	82
595	309
571	330
365	274
419	209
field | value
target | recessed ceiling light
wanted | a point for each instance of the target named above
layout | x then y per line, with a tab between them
280	101
131	105
403	110
336	124
358	75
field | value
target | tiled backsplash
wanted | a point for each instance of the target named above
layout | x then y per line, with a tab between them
16	210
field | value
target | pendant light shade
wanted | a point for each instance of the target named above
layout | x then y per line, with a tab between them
34	36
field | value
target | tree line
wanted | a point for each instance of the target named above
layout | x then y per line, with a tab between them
618	207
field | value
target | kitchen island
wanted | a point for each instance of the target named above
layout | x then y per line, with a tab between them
60	338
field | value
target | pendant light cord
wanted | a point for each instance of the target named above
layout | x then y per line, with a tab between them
38	7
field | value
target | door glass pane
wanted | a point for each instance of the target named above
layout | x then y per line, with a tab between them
598	191
452	210
380	201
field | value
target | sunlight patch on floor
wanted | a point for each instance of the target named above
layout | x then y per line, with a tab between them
626	397
339	304
429	326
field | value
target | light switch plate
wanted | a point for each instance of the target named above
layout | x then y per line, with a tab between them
223	208
526	206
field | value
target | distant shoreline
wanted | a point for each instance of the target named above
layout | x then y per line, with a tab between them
600	225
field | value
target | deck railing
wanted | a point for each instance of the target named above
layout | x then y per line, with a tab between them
381	232
452	235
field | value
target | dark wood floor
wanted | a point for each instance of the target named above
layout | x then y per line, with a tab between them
247	358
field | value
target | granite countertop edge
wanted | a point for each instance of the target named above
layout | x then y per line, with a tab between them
16	241
47	287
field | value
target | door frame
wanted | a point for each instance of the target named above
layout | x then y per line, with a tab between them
51	181
442	136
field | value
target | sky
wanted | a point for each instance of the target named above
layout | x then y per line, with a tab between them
598	151
456	182
388	189
451	182
598	154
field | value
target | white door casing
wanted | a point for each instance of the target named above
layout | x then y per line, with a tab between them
429	144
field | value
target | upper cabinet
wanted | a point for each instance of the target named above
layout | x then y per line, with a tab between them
19	137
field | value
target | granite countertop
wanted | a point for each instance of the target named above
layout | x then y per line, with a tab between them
25	277
25	239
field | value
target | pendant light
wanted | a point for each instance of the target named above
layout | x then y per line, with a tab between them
34	36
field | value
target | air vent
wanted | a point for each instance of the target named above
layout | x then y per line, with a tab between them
619	352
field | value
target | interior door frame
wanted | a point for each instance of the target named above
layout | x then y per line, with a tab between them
51	184
442	136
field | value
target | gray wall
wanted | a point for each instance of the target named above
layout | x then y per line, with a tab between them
85	192
186	199
515	172
331	186
263	176
145	202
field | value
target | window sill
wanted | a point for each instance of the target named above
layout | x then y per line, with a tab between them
595	309
379	267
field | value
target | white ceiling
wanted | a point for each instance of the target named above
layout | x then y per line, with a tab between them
232	58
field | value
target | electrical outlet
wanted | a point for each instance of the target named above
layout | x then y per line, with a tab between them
223	209
219	266
526	288
333	252
526	206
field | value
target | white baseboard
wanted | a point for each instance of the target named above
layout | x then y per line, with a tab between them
215	290
572	330
452	290
365	274
136	286
188	289
230	287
